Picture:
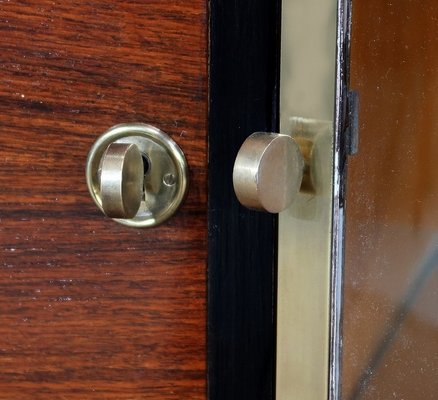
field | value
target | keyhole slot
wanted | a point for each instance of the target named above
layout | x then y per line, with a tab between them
146	164
146	170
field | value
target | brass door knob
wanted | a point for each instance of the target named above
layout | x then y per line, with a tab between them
137	175
268	172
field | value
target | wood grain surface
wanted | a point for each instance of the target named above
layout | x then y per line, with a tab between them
90	309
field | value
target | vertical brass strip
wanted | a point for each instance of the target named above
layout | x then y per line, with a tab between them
305	230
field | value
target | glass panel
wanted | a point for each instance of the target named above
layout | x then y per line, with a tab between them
391	272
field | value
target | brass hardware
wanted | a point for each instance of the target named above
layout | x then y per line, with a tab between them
270	169
137	175
306	366
121	180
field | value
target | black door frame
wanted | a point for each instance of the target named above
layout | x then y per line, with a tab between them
244	98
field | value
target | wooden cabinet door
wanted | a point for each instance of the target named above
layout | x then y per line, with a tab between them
91	309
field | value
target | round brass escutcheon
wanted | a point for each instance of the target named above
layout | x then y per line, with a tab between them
137	194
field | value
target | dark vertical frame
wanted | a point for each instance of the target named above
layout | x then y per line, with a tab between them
244	96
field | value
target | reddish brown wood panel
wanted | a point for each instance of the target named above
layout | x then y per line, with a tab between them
90	309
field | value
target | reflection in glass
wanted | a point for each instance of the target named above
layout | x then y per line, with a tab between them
390	329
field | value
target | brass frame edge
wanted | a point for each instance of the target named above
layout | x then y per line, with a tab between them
306	237
343	32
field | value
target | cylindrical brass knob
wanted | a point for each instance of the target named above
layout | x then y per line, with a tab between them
121	180
268	172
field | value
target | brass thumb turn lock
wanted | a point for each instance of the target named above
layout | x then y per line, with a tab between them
137	175
270	169
121	180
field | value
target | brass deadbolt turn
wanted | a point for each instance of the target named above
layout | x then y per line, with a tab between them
121	180
137	175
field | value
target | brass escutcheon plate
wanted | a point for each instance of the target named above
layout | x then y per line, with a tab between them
166	174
